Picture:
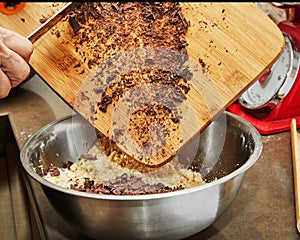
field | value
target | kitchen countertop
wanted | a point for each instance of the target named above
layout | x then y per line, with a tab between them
264	207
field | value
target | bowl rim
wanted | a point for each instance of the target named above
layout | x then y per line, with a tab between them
241	170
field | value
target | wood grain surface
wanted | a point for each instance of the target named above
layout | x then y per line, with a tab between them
295	144
229	45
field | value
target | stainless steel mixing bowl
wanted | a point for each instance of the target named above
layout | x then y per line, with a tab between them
224	151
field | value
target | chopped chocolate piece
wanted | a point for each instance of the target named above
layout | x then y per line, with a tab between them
54	171
67	165
44	19
89	156
74	24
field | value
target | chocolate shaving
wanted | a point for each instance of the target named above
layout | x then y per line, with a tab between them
125	184
88	156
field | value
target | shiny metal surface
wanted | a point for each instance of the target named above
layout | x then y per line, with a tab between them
175	215
266	96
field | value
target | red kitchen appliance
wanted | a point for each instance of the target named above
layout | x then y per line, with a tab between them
274	99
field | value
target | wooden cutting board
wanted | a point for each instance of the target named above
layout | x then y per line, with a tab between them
233	43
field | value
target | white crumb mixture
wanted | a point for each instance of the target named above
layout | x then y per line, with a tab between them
105	168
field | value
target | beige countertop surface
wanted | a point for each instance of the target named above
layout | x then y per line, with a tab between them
264	207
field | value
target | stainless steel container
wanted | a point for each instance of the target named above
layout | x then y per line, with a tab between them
224	151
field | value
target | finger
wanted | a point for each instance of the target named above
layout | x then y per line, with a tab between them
16	43
4	85
13	65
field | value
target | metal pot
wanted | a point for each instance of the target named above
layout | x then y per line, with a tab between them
224	151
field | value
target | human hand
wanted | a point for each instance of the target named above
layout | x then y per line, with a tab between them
15	52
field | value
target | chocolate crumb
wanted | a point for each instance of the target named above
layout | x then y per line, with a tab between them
89	156
43	20
54	171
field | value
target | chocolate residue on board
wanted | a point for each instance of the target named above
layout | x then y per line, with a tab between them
108	29
129	44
